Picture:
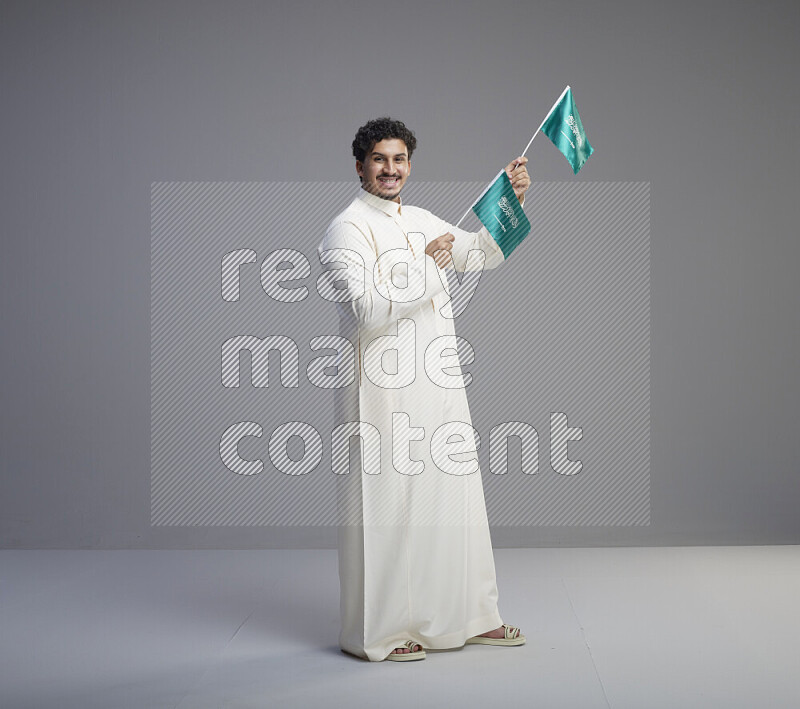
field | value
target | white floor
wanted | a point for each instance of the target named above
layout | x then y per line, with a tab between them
622	627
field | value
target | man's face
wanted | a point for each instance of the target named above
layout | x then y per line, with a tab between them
385	169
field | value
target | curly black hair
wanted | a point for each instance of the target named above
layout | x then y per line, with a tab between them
379	129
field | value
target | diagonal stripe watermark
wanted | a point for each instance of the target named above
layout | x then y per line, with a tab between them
247	354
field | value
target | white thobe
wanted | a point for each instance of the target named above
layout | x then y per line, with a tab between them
415	553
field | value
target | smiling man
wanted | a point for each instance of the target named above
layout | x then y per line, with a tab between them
416	566
385	169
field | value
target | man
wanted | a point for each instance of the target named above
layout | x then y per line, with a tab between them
416	566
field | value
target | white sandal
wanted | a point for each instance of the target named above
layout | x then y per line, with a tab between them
513	636
405	656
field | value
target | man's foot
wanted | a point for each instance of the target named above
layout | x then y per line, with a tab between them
400	650
409	651
504	635
498	633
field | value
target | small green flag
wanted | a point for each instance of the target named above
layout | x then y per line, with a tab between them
563	126
501	213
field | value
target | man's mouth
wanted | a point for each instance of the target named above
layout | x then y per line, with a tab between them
388	181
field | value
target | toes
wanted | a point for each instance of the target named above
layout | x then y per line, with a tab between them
398	650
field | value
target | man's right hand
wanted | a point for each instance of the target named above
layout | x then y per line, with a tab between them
444	245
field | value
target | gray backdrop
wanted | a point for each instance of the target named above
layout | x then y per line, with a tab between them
102	99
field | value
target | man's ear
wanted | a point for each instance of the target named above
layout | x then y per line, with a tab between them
359	168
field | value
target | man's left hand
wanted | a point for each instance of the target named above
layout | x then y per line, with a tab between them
518	174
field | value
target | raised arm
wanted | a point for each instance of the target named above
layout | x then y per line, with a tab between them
463	241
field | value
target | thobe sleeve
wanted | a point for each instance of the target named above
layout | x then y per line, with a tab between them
368	297
466	241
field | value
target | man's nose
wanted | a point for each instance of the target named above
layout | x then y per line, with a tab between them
390	167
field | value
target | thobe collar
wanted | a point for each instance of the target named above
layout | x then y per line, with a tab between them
387	206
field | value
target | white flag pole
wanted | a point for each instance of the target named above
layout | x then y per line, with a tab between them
485	190
558	100
563	93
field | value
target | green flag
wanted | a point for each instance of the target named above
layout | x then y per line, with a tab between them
501	213
563	126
